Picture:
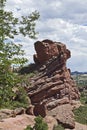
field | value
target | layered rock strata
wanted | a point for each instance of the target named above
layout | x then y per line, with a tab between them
53	86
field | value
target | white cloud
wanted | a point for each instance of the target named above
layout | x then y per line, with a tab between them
78	63
60	20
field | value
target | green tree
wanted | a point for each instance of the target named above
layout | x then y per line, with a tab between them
10	53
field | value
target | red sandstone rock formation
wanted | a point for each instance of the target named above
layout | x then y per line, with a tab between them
53	86
47	49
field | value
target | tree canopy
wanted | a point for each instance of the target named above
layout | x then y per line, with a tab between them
10	53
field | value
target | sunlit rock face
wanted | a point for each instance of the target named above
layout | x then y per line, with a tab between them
47	49
53	86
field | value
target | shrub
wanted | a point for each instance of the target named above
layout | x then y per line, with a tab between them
14	100
59	127
39	124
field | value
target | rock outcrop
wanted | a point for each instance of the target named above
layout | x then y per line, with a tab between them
20	122
6	113
53	86
64	115
47	49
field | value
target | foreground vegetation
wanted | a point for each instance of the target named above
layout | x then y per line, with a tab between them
39	124
16	96
81	112
12	94
59	127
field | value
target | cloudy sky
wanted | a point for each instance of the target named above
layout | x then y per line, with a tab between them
60	20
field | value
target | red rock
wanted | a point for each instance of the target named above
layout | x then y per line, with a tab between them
20	122
53	86
45	50
30	110
51	121
64	115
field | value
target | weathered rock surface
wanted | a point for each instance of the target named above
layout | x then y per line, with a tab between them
51	122
63	114
20	122
53	86
6	113
47	49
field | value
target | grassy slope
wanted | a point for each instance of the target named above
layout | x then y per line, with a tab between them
81	112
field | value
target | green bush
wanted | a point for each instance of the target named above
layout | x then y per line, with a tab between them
13	96
39	124
59	127
14	100
29	128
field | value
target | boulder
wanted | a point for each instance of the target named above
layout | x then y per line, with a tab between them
45	50
19	111
51	122
20	122
63	114
6	113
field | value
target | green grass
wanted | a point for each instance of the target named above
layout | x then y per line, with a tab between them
81	114
83	98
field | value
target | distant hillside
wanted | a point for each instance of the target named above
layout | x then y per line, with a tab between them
77	72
